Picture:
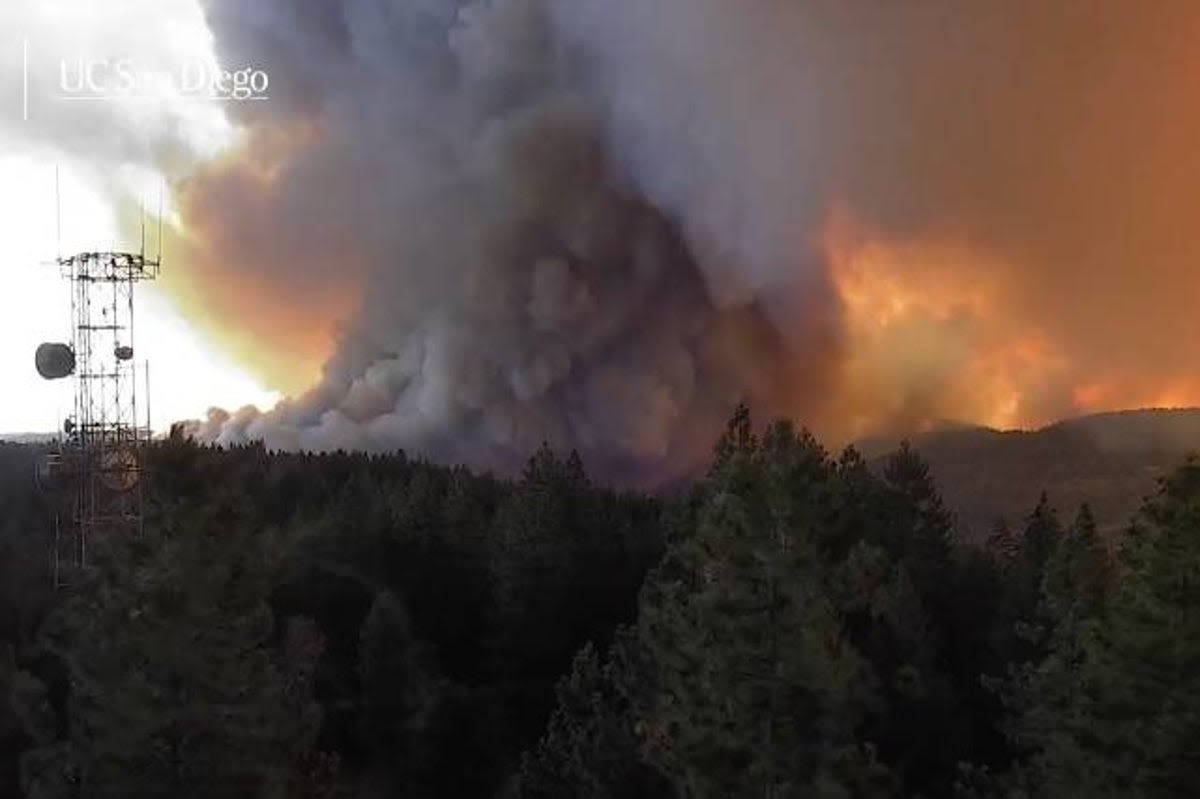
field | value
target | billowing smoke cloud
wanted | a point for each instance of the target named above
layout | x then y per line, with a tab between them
601	224
518	284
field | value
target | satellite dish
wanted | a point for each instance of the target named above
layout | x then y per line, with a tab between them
119	470
54	361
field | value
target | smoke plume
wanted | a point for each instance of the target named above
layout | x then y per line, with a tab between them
601	224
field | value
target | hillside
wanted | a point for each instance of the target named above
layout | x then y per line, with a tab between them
1110	460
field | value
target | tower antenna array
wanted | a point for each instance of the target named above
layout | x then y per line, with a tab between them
98	466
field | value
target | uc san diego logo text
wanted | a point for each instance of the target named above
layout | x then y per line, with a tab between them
103	78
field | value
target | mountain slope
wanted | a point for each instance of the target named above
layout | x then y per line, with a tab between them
1110	461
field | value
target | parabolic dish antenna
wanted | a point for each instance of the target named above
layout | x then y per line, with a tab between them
54	361
119	469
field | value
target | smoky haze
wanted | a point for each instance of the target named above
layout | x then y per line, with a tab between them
603	224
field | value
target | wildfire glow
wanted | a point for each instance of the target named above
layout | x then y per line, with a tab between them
1107	394
287	317
928	337
932	334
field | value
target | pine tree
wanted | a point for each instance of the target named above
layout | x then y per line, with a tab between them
175	685
27	722
1078	573
756	691
566	560
1114	710
591	748
921	531
906	615
531	639
399	693
1003	544
1042	533
1041	538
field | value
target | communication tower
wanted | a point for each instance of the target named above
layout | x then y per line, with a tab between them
97	468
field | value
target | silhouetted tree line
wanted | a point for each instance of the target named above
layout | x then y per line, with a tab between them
798	624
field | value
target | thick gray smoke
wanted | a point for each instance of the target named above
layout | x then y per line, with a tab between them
519	283
599	222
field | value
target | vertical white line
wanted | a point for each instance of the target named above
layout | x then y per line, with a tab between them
149	421
57	215
158	257
25	79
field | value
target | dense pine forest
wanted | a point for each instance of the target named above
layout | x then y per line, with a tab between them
796	624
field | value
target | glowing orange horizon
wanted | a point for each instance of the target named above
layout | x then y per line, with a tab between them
932	334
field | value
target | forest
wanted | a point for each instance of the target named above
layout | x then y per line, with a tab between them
795	623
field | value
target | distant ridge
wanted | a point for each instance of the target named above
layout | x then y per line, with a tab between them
27	438
1154	428
1109	460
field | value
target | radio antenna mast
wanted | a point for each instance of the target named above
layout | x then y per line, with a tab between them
57	216
149	423
98	467
158	257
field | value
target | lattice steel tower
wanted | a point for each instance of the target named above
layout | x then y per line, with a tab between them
98	466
